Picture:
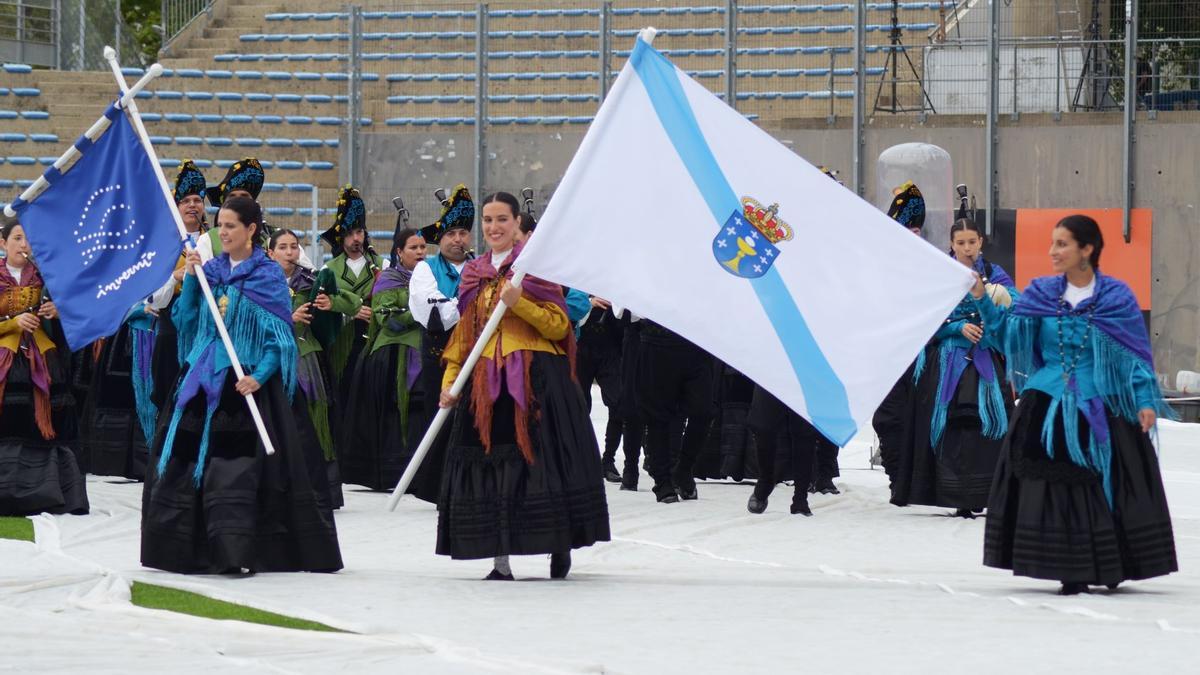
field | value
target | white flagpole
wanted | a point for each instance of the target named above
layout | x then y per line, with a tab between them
460	382
128	102
30	193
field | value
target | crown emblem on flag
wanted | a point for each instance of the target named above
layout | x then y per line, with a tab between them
766	220
745	244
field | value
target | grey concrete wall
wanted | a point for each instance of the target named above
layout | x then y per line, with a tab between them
1042	163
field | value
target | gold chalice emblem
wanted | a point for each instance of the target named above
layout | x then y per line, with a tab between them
745	248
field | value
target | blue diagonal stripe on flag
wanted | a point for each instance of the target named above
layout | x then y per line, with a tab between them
824	393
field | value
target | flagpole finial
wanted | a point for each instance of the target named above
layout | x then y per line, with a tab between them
109	53
648	34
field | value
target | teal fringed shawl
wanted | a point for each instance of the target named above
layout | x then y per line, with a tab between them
258	319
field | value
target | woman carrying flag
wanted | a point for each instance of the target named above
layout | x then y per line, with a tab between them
214	502
1078	496
39	470
961	402
522	473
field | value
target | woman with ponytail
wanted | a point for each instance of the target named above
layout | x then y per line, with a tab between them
214	501
1078	495
522	473
961	404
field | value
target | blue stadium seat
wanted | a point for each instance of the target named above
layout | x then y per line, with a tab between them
168	163
35	114
299	187
248	75
10	137
26	91
219	141
266	119
208	118
188	140
17	68
279	142
309	143
289	165
329	121
259	97
308	77
298	119
8	115
248	142
239	119
317	98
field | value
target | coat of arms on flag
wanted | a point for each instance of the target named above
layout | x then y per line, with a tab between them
745	244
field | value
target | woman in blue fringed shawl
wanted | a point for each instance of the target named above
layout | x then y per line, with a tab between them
214	502
1078	495
961	402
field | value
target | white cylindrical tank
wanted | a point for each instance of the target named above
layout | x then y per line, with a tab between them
930	169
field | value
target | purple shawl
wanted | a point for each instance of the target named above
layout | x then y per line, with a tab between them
257	277
1116	310
391	279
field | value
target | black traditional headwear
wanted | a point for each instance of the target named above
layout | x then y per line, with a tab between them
351	215
908	206
246	174
189	181
459	213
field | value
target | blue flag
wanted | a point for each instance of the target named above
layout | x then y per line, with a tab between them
103	233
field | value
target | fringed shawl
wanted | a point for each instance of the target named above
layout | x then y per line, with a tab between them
955	355
1122	357
514	369
259	320
39	370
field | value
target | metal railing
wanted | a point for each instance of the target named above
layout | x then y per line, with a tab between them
177	14
29	32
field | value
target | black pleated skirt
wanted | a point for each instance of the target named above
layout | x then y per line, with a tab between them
112	434
1048	518
376	447
250	510
958	474
36	475
498	504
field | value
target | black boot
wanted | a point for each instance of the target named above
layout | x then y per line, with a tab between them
629	479
610	471
800	506
497	575
756	505
964	513
1072	588
685	483
826	487
665	492
560	564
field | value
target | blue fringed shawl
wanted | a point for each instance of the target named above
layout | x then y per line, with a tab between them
1122	366
258	317
953	352
141	337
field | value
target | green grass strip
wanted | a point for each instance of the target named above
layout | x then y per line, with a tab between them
184	602
20	529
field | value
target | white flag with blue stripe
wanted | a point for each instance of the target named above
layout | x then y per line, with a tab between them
680	209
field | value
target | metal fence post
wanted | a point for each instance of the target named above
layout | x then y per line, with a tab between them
314	240
731	25
605	48
993	104
860	90
481	90
354	95
117	28
1130	108
79	45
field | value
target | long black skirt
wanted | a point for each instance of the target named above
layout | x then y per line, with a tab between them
112	435
957	474
1048	518
253	511
38	475
376	445
495	503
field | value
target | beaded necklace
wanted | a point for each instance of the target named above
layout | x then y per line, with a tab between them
1070	364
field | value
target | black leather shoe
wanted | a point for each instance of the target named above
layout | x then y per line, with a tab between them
826	487
756	505
629	479
685	484
666	494
560	565
497	575
964	513
801	508
610	471
1073	588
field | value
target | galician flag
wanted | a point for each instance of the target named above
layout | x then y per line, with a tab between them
683	211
